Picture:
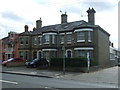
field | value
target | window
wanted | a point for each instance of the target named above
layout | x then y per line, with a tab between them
35	41
46	54
69	38
53	39
26	55
81	53
61	39
21	54
89	36
26	41
21	41
53	54
9	45
8	56
81	36
40	40
46	39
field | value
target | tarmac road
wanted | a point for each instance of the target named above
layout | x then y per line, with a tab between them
22	81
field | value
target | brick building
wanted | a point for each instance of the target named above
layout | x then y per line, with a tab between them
78	38
9	46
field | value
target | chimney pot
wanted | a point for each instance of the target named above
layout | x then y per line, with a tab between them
64	18
91	16
38	24
26	28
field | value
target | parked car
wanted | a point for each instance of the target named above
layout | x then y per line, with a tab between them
36	63
4	63
119	64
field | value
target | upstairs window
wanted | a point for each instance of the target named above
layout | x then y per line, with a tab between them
26	41
46	39
69	38
89	36
40	40
21	41
61	39
80	36
53	39
35	41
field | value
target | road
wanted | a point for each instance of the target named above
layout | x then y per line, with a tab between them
21	81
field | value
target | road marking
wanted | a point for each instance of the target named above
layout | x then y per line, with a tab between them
8	82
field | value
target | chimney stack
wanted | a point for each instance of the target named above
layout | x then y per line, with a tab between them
38	24
26	28
34	29
64	18
91	16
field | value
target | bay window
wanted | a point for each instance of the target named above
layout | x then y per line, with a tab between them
80	36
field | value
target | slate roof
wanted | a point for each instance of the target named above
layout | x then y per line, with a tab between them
63	27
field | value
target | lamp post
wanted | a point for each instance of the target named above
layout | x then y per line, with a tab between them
88	61
63	48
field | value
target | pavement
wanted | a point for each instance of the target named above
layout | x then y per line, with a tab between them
108	75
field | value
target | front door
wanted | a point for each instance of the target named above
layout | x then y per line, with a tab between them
69	54
39	55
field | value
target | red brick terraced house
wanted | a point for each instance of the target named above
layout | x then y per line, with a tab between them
10	46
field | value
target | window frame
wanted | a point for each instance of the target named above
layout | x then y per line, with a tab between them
79	35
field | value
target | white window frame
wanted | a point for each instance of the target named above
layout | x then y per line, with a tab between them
83	29
67	51
69	41
53	39
89	36
35	41
81	35
62	41
46	39
40	40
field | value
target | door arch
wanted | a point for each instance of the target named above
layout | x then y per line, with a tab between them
69	53
39	54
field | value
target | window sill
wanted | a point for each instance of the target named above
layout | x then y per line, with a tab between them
62	43
89	41
46	43
69	42
81	41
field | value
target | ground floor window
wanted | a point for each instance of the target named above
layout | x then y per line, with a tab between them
49	54
46	55
21	53
26	55
8	56
83	53
53	54
34	54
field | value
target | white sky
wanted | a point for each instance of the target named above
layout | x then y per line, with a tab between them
14	14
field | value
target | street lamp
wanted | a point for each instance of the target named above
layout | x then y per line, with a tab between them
63	48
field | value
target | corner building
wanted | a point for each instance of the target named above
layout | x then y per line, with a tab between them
78	38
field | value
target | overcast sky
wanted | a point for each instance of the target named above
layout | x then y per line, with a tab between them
15	14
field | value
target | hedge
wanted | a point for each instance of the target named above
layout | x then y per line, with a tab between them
72	62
